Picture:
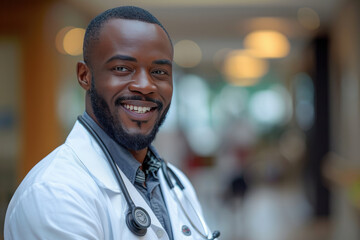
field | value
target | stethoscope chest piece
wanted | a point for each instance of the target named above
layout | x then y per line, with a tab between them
138	220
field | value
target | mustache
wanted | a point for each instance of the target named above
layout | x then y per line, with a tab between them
157	102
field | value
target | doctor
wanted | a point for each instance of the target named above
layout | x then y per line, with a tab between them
73	193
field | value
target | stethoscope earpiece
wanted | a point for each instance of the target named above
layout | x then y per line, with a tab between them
138	221
215	234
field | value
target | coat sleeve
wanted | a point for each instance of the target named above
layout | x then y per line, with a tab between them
54	211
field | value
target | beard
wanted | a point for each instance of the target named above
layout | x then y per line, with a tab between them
113	126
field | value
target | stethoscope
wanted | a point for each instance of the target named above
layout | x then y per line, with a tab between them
137	218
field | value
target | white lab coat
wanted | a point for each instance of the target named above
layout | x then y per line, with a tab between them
73	194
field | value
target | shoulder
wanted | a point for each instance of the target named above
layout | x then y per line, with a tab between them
51	210
58	186
60	166
58	172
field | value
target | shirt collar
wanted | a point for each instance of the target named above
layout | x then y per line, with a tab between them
151	164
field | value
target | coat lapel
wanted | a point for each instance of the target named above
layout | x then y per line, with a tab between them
140	202
172	207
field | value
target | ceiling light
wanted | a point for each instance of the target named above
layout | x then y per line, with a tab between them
243	69
267	44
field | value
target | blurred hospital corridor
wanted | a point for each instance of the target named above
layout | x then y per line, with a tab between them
264	117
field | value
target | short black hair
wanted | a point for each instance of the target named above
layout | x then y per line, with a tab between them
124	12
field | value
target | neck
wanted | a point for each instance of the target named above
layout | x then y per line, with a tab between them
139	155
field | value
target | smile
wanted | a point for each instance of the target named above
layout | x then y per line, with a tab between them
137	109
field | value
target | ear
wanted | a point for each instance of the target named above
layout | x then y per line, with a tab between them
83	75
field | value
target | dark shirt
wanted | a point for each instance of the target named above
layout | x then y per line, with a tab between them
147	183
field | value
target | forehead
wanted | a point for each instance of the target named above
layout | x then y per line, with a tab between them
123	36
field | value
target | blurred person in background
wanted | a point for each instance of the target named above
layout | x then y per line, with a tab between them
107	181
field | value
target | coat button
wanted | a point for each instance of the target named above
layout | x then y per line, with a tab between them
160	233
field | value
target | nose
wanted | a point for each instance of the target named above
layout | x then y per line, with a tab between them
142	83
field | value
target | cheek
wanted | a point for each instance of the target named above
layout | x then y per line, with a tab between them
166	91
110	86
113	83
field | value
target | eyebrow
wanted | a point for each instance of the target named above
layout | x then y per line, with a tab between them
132	59
163	62
121	57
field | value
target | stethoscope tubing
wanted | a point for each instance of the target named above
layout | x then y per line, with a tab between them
110	160
133	221
166	171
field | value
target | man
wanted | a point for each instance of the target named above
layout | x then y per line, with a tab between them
73	193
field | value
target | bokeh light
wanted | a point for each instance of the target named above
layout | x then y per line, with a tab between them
308	18
243	69
219	57
194	114
271	106
267	44
73	41
187	53
60	39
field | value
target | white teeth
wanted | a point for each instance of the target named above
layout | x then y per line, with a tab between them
137	109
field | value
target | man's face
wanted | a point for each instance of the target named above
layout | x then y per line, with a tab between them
131	85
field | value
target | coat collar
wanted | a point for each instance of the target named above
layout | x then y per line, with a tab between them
92	157
123	158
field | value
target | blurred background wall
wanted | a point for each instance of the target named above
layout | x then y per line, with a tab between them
265	118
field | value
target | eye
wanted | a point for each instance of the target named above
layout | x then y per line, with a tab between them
120	69
160	72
